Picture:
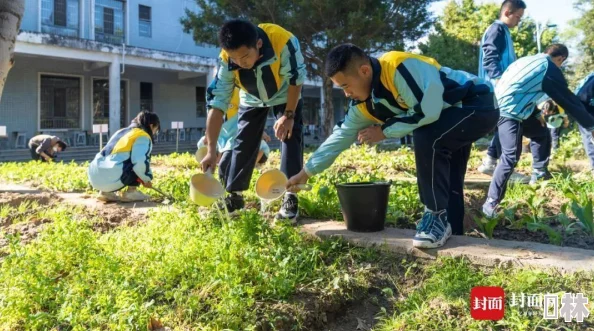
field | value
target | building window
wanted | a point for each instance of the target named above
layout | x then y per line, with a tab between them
101	102
200	101
109	21
146	96
60	17
60	102
144	21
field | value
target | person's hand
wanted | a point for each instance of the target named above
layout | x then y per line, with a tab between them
283	128
209	162
300	178
371	135
147	184
565	123
266	137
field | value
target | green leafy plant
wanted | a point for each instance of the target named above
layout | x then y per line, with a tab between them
581	207
486	225
554	235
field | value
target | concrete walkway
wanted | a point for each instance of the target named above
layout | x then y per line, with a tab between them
81	199
479	251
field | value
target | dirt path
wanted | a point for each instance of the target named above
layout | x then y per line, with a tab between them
79	199
29	202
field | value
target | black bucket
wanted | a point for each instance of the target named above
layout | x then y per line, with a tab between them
364	205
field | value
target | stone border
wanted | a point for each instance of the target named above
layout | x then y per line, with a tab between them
492	253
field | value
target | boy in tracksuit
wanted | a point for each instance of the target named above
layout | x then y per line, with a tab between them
522	85
585	92
266	63
495	55
399	93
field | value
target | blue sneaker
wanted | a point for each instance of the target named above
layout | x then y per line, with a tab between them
538	175
490	208
433	230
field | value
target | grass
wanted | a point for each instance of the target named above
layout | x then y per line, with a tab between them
361	163
63	177
441	300
184	271
191	271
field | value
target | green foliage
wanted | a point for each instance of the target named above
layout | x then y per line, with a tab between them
487	225
458	33
581	207
440	301
187	272
584	24
583	33
64	177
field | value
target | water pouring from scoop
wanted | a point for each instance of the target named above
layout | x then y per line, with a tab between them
271	185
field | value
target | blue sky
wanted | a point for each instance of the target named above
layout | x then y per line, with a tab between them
559	12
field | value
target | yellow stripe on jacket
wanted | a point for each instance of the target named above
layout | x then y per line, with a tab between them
127	141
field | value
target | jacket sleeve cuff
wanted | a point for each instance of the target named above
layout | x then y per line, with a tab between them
310	173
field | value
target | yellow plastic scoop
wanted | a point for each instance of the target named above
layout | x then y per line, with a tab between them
271	185
205	189
201	153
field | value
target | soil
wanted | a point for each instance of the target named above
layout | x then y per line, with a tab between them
344	312
114	217
15	199
30	228
30	225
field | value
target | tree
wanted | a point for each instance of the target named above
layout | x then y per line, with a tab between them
458	32
11	15
583	30
375	25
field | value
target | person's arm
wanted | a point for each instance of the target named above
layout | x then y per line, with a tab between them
421	88
264	148
493	46
140	156
342	137
293	70
555	85
218	97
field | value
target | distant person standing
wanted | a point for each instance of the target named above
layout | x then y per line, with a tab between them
44	147
495	55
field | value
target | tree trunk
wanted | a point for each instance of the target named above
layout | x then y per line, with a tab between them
11	15
328	120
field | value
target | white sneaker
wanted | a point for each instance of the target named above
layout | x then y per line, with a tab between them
130	196
108	197
488	166
519	178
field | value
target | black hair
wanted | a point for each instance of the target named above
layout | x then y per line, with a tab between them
513	5
62	145
342	57
555	50
144	119
550	108
236	33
